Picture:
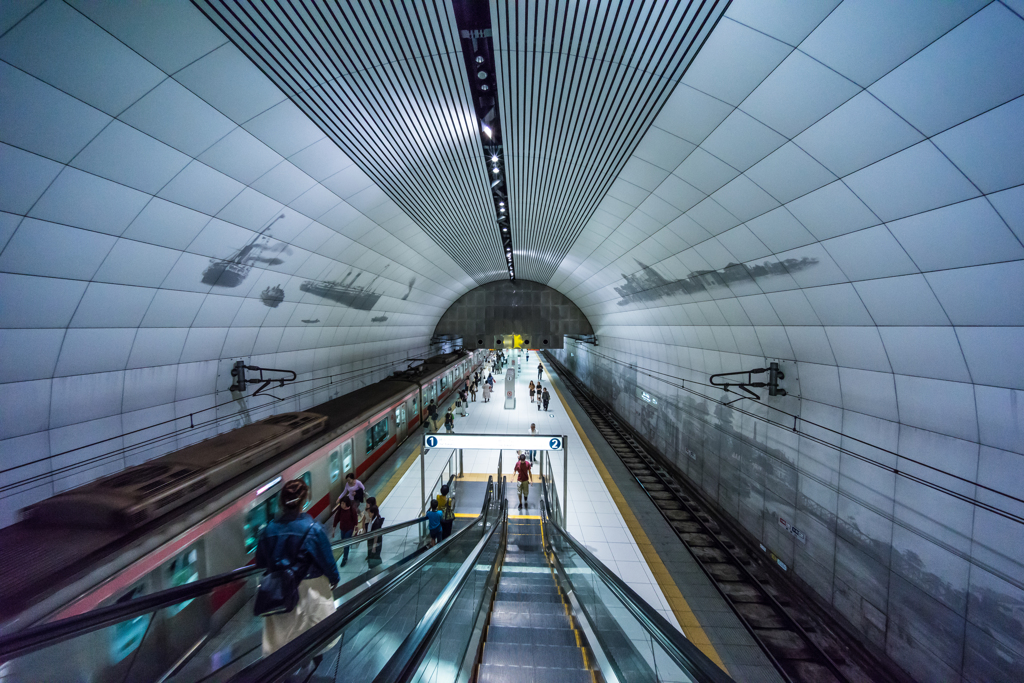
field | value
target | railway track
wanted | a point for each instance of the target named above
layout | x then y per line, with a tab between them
795	635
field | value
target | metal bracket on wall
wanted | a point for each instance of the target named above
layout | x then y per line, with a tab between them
774	375
241	381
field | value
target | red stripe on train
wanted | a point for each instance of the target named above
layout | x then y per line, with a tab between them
381	450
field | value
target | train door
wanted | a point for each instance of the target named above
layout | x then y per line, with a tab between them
401	424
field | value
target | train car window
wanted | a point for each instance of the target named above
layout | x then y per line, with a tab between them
182	570
126	636
444	381
334	464
399	416
256	521
346	456
376	435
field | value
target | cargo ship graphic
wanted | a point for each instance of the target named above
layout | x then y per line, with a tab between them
344	291
232	271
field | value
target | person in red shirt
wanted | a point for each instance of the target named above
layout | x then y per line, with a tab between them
345	518
524	476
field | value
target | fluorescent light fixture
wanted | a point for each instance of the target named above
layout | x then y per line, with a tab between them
494	158
495	170
269	485
487	130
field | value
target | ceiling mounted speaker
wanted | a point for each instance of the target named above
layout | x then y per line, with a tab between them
480	342
526	342
545	342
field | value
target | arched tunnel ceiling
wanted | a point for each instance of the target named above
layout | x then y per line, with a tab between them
836	185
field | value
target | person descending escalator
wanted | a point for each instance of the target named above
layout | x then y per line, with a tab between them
295	591
446	504
523	477
434	519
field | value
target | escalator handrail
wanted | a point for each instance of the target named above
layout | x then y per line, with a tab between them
296	652
403	664
44	635
685	654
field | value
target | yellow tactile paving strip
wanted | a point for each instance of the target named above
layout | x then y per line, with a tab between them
680	608
397	476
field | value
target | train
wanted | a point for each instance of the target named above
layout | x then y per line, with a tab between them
198	512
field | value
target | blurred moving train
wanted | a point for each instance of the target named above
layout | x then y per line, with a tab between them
198	512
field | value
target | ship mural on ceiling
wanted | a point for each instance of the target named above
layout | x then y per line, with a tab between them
260	250
345	291
272	296
647	284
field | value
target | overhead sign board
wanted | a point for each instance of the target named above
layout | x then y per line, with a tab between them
506	442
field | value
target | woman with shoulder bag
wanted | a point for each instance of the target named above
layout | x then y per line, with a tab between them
446	503
295	590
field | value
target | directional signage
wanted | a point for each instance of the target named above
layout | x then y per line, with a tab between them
507	442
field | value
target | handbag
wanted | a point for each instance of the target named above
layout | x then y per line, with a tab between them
278	592
449	514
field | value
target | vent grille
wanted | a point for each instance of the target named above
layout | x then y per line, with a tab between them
579	84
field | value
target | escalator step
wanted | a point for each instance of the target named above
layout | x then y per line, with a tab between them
492	673
535	608
531	620
529	598
549	656
531	635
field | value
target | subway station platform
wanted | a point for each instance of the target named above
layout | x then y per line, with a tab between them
606	511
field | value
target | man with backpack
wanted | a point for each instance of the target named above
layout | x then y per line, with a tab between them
523	476
432	414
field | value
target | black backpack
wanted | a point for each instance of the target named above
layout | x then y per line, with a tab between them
278	592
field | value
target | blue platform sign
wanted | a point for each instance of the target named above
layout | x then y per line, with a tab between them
431	442
556	444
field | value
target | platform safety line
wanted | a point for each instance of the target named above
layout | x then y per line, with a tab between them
397	476
466	514
524	516
688	621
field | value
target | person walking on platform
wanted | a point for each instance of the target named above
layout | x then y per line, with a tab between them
472	390
487	392
523	477
373	546
346	516
490	380
547	399
533	390
297	541
446	504
540	371
449	422
462	401
354	490
539	396
432	414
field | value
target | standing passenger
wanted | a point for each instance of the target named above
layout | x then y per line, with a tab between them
364	518
432	414
540	371
446	504
373	546
547	397
449	422
524	477
295	539
533	390
472	390
533	432
487	392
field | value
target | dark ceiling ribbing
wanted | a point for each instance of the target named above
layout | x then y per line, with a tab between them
385	80
578	86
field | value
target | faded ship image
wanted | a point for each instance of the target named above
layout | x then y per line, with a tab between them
272	296
344	291
230	272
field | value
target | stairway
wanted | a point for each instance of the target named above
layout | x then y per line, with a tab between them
530	637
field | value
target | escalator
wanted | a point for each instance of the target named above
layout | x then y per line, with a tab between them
206	630
529	604
529	635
